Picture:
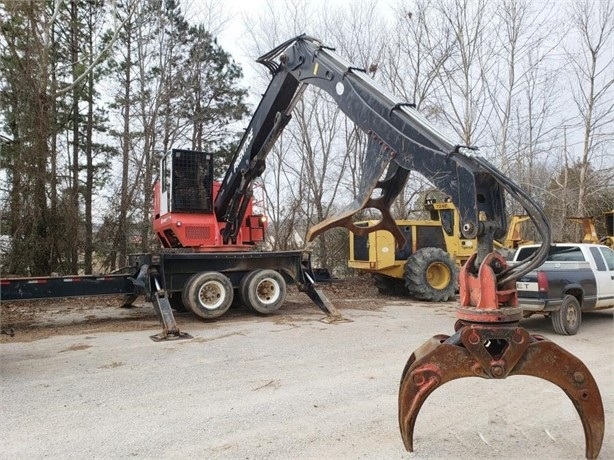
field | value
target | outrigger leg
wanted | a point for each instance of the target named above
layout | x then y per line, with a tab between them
319	298
159	299
488	343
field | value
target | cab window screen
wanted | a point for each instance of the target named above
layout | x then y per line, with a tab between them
192	181
429	237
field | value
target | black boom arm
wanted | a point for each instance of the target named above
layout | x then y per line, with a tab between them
400	140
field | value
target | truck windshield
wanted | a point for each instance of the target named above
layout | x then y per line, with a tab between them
556	254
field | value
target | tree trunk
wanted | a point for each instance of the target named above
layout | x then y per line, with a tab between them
72	219
122	232
88	191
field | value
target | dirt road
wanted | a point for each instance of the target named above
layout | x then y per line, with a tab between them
284	386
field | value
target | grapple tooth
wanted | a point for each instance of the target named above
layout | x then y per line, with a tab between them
548	361
429	367
468	354
424	350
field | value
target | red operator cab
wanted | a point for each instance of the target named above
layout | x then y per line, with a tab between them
184	215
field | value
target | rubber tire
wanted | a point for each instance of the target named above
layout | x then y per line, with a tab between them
567	319
387	285
263	291
417	270
176	301
208	294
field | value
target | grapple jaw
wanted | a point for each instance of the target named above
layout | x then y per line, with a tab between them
496	350
378	159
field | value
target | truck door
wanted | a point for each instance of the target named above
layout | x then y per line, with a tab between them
604	276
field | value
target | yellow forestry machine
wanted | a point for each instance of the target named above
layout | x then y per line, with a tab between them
590	233
427	266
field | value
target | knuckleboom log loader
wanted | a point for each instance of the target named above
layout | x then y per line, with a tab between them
488	341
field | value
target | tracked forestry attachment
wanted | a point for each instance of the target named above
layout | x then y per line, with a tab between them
488	343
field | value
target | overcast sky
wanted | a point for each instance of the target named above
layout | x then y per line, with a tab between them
229	17
234	13
230	31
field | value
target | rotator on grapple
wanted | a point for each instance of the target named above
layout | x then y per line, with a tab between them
488	341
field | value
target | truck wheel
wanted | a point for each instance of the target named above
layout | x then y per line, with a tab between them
176	301
263	291
208	294
431	274
388	285
567	319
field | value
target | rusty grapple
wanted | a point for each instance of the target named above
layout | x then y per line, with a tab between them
489	343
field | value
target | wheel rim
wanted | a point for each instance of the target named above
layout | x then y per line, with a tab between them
438	275
211	295
268	291
572	317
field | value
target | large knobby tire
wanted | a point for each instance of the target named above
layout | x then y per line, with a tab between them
567	319
263	291
388	285
208	294
431	274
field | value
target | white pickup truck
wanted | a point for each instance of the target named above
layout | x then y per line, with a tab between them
576	277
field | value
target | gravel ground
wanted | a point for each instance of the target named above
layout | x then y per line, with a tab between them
83	380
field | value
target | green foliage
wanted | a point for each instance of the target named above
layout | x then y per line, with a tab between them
213	97
183	91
